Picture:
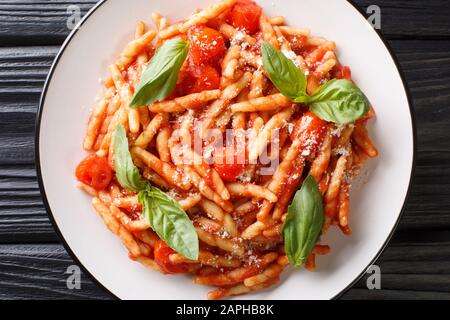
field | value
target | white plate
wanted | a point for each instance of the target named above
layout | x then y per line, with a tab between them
70	91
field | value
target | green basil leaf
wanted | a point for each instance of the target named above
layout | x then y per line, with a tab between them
170	222
160	77
283	73
339	101
304	223
126	172
164	215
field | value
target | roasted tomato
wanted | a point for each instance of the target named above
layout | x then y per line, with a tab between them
245	16
228	163
207	46
311	131
162	252
198	79
95	172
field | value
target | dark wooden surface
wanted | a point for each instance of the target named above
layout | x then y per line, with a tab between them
416	264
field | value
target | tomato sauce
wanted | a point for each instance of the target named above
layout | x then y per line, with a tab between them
162	252
208	178
343	72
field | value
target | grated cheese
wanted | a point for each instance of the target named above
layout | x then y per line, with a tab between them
343	151
291	55
338	131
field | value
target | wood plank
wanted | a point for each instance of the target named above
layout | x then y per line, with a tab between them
426	68
22	75
36	22
38	272
412	19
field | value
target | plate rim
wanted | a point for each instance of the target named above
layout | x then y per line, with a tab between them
66	245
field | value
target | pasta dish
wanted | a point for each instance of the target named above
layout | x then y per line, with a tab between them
224	146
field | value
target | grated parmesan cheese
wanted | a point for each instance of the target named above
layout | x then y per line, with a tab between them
245	176
238	39
291	55
223	234
290	127
341	151
173	194
306	153
244	45
338	131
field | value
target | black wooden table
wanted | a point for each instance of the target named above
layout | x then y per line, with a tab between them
33	263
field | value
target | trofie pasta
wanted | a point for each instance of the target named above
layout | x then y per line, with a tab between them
224	146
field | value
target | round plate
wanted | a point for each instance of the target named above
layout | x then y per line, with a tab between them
73	84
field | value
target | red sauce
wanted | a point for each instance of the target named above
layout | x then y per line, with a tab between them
306	50
297	43
95	172
256	48
208	178
343	72
346	230
293	180
162	253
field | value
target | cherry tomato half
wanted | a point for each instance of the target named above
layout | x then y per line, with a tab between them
95	172
162	252
311	131
228	163
198	79
207	46
245	16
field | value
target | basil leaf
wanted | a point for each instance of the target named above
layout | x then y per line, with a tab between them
304	223
160	77
339	101
164	215
169	221
283	73
126	172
